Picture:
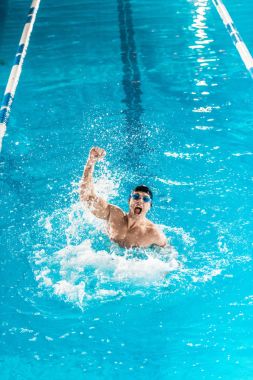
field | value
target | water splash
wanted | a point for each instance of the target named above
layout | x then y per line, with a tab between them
77	262
80	273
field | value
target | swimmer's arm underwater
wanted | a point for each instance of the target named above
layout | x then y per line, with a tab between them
98	206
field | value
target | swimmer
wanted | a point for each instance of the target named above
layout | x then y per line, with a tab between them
130	229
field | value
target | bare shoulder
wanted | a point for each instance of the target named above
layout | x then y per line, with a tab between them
116	212
157	236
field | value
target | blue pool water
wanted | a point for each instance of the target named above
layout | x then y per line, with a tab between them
160	86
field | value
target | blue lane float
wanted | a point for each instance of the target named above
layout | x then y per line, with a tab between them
235	35
16	69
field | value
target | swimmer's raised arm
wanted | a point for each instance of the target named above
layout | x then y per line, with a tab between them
98	206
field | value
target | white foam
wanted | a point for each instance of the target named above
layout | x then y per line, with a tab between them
242	154
71	291
187	238
174	183
80	267
186	156
119	267
207	276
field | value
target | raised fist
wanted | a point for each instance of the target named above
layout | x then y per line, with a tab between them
97	154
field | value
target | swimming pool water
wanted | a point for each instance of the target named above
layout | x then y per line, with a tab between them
161	87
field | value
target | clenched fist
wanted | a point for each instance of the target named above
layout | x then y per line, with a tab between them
97	154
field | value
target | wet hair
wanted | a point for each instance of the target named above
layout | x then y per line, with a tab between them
144	189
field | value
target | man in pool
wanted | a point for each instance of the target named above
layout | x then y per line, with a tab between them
128	230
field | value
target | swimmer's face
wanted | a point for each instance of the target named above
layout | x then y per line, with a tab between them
139	203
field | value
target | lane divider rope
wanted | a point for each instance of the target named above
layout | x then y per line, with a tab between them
235	35
16	69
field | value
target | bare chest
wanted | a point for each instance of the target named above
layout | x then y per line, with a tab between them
138	236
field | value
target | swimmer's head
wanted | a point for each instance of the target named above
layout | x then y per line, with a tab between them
140	200
144	189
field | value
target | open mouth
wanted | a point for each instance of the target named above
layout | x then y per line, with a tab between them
137	210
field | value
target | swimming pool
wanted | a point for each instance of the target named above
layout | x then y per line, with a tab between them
160	86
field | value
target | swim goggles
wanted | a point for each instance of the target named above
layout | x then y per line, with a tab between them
137	196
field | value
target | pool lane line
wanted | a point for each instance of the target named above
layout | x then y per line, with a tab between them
131	80
235	35
16	69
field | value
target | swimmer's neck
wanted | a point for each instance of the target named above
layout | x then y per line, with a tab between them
135	220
